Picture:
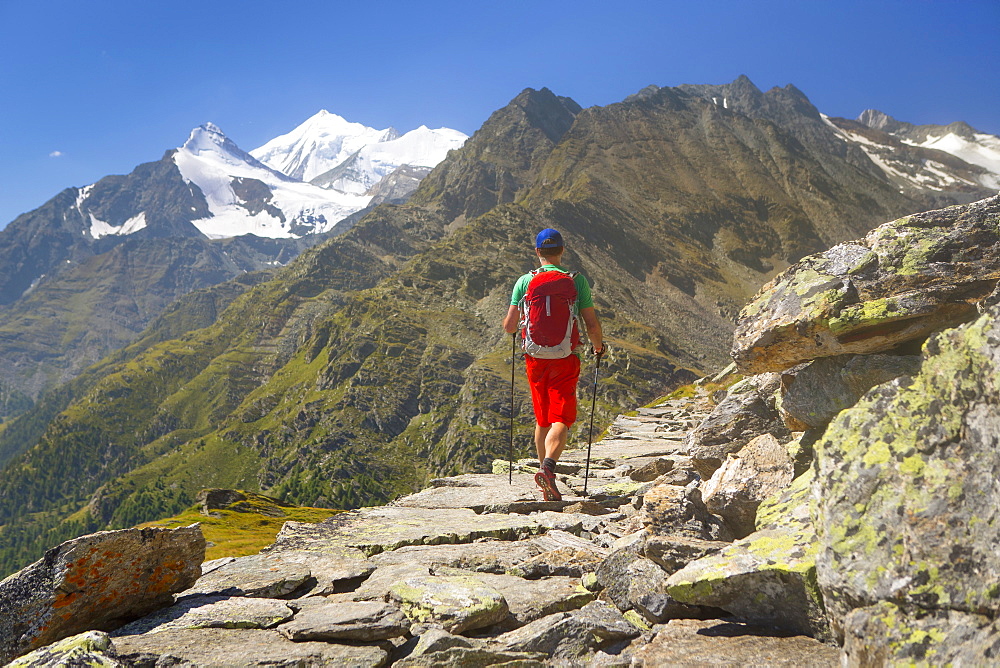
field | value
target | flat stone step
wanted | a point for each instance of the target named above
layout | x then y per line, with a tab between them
375	530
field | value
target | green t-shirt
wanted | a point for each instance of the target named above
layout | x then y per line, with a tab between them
583	296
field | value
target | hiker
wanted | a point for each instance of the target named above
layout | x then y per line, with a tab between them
553	369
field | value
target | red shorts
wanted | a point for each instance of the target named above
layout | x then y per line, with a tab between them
553	389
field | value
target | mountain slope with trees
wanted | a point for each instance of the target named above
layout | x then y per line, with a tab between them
376	360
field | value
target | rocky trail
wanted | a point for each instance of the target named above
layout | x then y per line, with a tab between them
474	570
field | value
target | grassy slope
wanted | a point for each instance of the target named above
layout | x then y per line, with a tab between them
243	528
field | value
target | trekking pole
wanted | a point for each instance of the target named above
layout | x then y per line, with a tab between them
510	448
593	409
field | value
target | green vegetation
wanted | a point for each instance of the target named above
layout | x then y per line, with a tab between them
243	528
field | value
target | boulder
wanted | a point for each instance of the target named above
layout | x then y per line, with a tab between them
456	603
909	505
680	511
813	394
672	553
96	582
569	636
747	412
767	578
652	470
330	570
758	471
438	640
92	649
903	281
887	633
565	561
633	582
361	621
211	612
217	499
684	642
242	647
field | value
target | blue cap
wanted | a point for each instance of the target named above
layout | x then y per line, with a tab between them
548	238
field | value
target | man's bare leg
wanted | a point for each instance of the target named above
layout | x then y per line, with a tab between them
550	441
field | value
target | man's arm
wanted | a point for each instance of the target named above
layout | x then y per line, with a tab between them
594	332
513	318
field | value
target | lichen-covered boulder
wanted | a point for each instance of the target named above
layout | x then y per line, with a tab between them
909	484
903	281
455	603
96	582
747	411
767	578
887	634
813	394
758	471
92	649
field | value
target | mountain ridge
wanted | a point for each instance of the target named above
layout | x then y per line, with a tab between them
375	359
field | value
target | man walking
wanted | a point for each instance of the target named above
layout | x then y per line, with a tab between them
554	372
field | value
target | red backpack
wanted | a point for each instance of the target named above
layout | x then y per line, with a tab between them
548	314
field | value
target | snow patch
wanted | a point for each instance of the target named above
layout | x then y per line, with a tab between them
984	152
100	228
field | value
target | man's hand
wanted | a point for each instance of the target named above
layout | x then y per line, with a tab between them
598	349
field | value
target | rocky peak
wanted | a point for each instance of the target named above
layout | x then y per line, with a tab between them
550	113
502	157
878	120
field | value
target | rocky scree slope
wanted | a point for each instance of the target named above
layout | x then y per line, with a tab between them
375	362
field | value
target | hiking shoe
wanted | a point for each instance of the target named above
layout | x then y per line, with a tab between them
546	482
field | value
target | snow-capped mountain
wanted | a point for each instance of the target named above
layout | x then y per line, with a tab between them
331	152
950	159
246	197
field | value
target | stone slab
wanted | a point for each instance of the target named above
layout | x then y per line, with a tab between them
719	643
257	575
483	493
227	647
208	612
528	600
375	530
362	621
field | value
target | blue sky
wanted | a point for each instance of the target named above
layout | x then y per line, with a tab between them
95	88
